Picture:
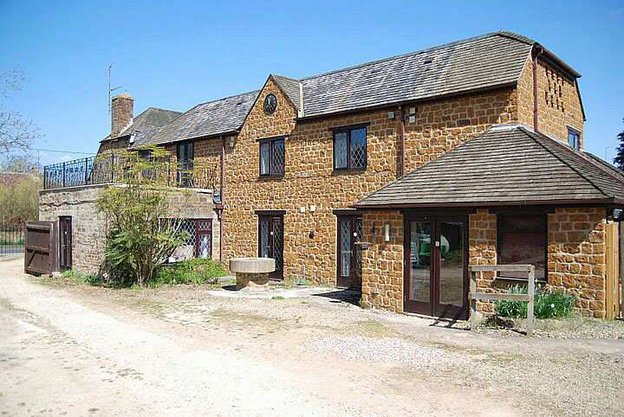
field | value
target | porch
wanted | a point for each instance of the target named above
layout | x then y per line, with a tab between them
489	203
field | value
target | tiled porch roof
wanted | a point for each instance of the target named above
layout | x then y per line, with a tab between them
507	165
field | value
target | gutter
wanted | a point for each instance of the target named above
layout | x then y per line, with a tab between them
487	204
401	137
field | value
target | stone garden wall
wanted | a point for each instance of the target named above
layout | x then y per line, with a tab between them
89	227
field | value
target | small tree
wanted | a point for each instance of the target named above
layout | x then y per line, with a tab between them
19	201
619	158
16	132
140	236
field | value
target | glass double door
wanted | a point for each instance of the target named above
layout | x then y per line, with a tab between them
436	272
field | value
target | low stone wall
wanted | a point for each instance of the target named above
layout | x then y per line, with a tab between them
89	227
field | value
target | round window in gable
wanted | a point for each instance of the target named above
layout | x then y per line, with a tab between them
270	104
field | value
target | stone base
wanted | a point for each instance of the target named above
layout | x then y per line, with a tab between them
257	281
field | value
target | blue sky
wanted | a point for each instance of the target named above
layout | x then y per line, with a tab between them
177	54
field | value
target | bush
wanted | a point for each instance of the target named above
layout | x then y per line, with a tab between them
82	278
548	303
192	271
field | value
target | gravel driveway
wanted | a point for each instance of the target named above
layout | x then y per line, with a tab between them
81	351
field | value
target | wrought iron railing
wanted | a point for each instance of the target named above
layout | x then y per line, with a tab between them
109	169
11	239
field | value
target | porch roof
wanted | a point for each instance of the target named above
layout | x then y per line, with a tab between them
507	165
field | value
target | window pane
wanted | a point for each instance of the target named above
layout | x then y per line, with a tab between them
522	240
573	139
265	154
358	148
278	157
264	238
340	150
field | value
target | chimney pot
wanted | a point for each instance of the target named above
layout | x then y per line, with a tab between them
122	112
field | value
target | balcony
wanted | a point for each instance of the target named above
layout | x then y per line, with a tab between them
111	169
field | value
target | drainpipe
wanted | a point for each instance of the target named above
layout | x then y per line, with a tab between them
535	52
401	134
222	195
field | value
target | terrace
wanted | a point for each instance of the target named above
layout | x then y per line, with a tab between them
111	169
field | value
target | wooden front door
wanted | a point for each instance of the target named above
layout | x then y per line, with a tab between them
349	262
65	242
436	273
271	241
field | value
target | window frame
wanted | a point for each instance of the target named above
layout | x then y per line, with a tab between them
184	175
499	220
577	135
270	142
348	130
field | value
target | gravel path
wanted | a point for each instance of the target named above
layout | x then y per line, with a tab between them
69	350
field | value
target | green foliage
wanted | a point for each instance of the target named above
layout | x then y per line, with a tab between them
82	278
139	238
19	202
192	271
549	303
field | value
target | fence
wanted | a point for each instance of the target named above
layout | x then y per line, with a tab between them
108	169
474	295
11	239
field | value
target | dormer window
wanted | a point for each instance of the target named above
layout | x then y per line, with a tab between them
574	138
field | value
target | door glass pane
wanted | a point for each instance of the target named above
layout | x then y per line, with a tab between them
452	263
345	247
340	150
264	238
278	242
420	257
204	246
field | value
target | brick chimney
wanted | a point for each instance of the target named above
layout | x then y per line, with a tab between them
122	108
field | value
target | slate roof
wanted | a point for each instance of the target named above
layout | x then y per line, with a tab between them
485	62
507	165
150	119
212	118
291	87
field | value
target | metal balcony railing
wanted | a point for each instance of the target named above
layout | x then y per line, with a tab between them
110	169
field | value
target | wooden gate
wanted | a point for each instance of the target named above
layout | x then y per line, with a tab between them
40	248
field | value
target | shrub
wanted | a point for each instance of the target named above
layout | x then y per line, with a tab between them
82	278
192	271
549	303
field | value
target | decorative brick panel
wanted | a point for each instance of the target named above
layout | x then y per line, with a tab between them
558	101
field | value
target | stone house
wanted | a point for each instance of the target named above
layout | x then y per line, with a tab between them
394	176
